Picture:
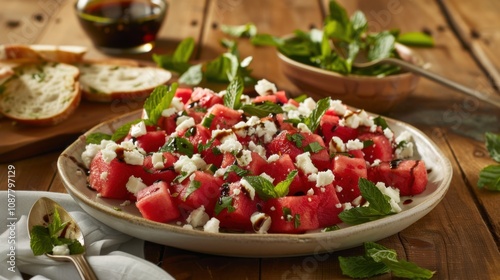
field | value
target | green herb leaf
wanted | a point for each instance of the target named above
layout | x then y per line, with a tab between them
232	98
313	147
313	120
226	202
417	39
96	138
247	30
193	186
180	145
178	61
40	241
379	260
159	100
235	168
192	76
493	145
380	121
55	226
489	178
296	139
123	130
263	187
76	247
382	47
379	205
283	187
262	110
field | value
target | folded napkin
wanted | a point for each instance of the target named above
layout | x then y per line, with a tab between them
111	254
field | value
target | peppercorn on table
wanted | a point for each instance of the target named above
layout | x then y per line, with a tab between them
458	239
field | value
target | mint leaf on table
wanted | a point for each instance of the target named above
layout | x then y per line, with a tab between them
179	60
246	30
489	176
378	207
493	145
379	260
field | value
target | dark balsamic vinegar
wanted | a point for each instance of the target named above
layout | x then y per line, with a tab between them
121	23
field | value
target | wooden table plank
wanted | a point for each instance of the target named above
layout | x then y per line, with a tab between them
32	174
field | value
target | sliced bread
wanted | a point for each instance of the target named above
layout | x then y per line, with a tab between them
40	94
39	53
108	80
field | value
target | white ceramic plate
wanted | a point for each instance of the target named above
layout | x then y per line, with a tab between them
130	221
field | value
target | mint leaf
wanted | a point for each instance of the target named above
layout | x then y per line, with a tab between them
40	241
283	187
192	76
417	39
159	100
235	168
193	186
379	205
96	138
178	144
246	30
380	121
178	61
263	187
262	110
493	145
382	47
76	248
489	178
361	267
225	202
55	226
313	120
123	130
232	98
379	260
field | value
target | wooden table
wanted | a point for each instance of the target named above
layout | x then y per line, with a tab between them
459	239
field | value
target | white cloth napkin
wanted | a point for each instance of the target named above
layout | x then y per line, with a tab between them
111	254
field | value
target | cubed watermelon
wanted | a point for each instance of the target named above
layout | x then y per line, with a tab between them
347	172
199	189
409	176
379	149
293	214
156	204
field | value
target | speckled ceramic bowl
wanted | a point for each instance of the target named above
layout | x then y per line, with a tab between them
374	94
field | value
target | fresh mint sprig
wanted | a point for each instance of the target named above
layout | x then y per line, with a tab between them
378	207
380	260
489	176
266	190
44	238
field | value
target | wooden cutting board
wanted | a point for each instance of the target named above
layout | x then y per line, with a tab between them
19	141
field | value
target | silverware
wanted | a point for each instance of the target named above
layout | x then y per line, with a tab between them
41	213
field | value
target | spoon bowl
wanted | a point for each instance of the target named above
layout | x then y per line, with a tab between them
41	214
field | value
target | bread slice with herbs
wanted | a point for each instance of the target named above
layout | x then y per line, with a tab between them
108	80
40	53
40	94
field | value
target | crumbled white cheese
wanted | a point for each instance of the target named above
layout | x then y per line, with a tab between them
250	190
257	149
168	112
273	158
230	145
108	155
302	127
260	222
212	225
189	165
268	130
157	159
404	145
133	157
177	104
264	87
198	217
355	144
324	178
138	129
338	107
336	145
134	184
267	177
245	158
128	145
338	188
60	250
303	162
310	192
388	133
184	124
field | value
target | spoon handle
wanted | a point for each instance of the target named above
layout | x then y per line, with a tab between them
444	81
83	267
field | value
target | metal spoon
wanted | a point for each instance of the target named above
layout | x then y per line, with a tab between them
41	213
406	56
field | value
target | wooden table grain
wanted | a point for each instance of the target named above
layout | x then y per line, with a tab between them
459	239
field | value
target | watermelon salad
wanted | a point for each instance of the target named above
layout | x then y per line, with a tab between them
226	162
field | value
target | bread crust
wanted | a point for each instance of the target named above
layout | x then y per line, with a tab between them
39	53
28	97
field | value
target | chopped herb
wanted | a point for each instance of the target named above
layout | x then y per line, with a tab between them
367	143
262	110
193	186
266	190
225	202
296	138
180	145
235	168
232	98
247	30
313	147
380	121
97	137
489	176
207	120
